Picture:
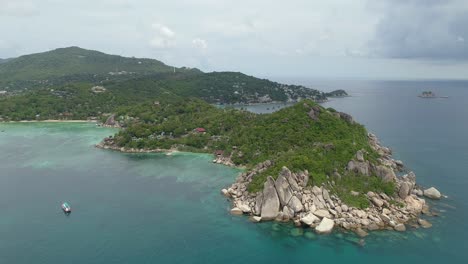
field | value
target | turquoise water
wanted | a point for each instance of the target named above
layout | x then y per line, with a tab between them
154	208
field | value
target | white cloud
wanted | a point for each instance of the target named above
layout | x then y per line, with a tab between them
163	30
164	37
225	35
200	43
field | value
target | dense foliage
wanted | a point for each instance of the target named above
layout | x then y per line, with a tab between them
75	64
62	67
163	109
289	137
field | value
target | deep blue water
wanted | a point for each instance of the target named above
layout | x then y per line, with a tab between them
167	209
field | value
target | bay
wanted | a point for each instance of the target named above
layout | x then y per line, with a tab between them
153	208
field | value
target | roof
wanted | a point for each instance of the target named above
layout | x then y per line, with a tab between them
200	129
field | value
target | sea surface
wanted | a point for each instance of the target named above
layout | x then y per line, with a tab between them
154	208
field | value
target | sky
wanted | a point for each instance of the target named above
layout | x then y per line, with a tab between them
333	39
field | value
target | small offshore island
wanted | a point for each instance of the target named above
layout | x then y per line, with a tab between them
305	163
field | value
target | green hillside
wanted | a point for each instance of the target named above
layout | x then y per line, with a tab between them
75	64
59	85
305	136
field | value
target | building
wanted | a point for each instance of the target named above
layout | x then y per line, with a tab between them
200	130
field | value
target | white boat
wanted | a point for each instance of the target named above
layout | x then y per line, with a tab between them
66	208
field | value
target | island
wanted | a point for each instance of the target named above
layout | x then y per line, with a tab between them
307	164
314	166
430	94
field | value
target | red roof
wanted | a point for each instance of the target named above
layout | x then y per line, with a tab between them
200	129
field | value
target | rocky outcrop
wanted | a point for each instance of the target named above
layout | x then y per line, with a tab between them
405	190
270	201
283	188
432	193
385	173
424	223
325	226
348	118
358	167
314	113
236	211
309	219
290	198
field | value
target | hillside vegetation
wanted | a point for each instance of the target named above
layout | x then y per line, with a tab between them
75	64
74	83
302	137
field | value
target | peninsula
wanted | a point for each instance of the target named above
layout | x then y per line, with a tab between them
305	163
314	166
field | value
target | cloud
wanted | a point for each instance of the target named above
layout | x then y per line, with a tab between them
163	37
17	8
200	43
416	29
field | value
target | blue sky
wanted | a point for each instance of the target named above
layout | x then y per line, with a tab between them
338	39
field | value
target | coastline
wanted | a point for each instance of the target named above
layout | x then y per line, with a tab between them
314	205
108	144
289	198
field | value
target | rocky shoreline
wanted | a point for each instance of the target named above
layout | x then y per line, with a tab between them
290	198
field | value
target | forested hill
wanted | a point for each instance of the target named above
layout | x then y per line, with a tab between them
75	64
74	83
222	87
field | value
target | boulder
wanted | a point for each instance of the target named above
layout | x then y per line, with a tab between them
373	227
418	192
303	178
236	211
255	219
360	232
346	117
282	187
288	213
432	193
414	204
309	219
361	168
245	208
326	195
293	183
325	226
377	202
322	213
386	211
424	223
385	173
225	193
344	208
313	115
258	204
270	202
404	191
360	155
316	190
400	227
295	204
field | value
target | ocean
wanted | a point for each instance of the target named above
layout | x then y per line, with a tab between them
154	208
